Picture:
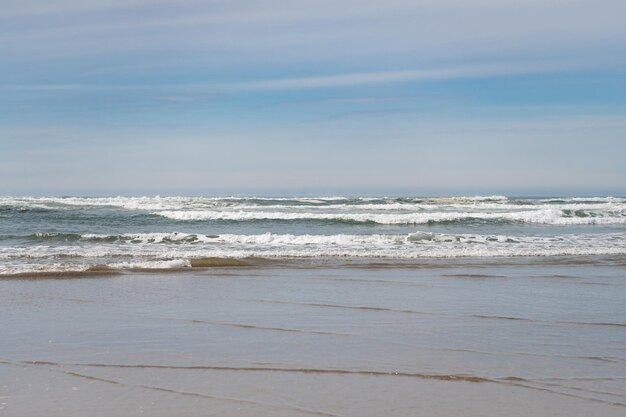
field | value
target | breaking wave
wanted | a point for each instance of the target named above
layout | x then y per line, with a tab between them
182	250
553	216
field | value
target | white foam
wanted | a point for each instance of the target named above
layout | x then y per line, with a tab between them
153	203
147	252
379	210
470	199
584	199
564	211
56	267
553	216
31	268
146	237
128	203
152	264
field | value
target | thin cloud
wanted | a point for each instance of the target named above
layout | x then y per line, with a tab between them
319	30
381	77
323	81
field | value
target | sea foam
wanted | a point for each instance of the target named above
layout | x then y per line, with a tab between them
554	216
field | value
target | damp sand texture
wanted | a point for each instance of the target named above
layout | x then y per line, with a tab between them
540	337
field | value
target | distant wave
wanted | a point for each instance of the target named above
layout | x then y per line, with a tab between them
418	237
156	202
553	216
190	203
397	211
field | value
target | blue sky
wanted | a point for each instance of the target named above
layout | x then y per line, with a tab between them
312	97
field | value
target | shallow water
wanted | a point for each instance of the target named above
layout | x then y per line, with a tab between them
515	337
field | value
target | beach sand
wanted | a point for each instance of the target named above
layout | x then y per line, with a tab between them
492	338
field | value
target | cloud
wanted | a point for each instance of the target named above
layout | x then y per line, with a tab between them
313	82
343	30
365	78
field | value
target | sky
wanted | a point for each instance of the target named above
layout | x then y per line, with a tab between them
301	97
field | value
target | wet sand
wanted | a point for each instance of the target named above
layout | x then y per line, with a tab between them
451	339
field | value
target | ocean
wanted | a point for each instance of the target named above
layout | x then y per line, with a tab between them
47	235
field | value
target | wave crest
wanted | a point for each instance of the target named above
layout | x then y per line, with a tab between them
552	216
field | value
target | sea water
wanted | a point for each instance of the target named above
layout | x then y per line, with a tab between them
77	234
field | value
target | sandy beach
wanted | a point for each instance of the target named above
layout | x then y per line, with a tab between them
468	338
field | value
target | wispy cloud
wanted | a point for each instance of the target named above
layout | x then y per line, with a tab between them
320	81
321	29
364	78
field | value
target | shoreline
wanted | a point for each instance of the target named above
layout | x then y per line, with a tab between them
252	263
